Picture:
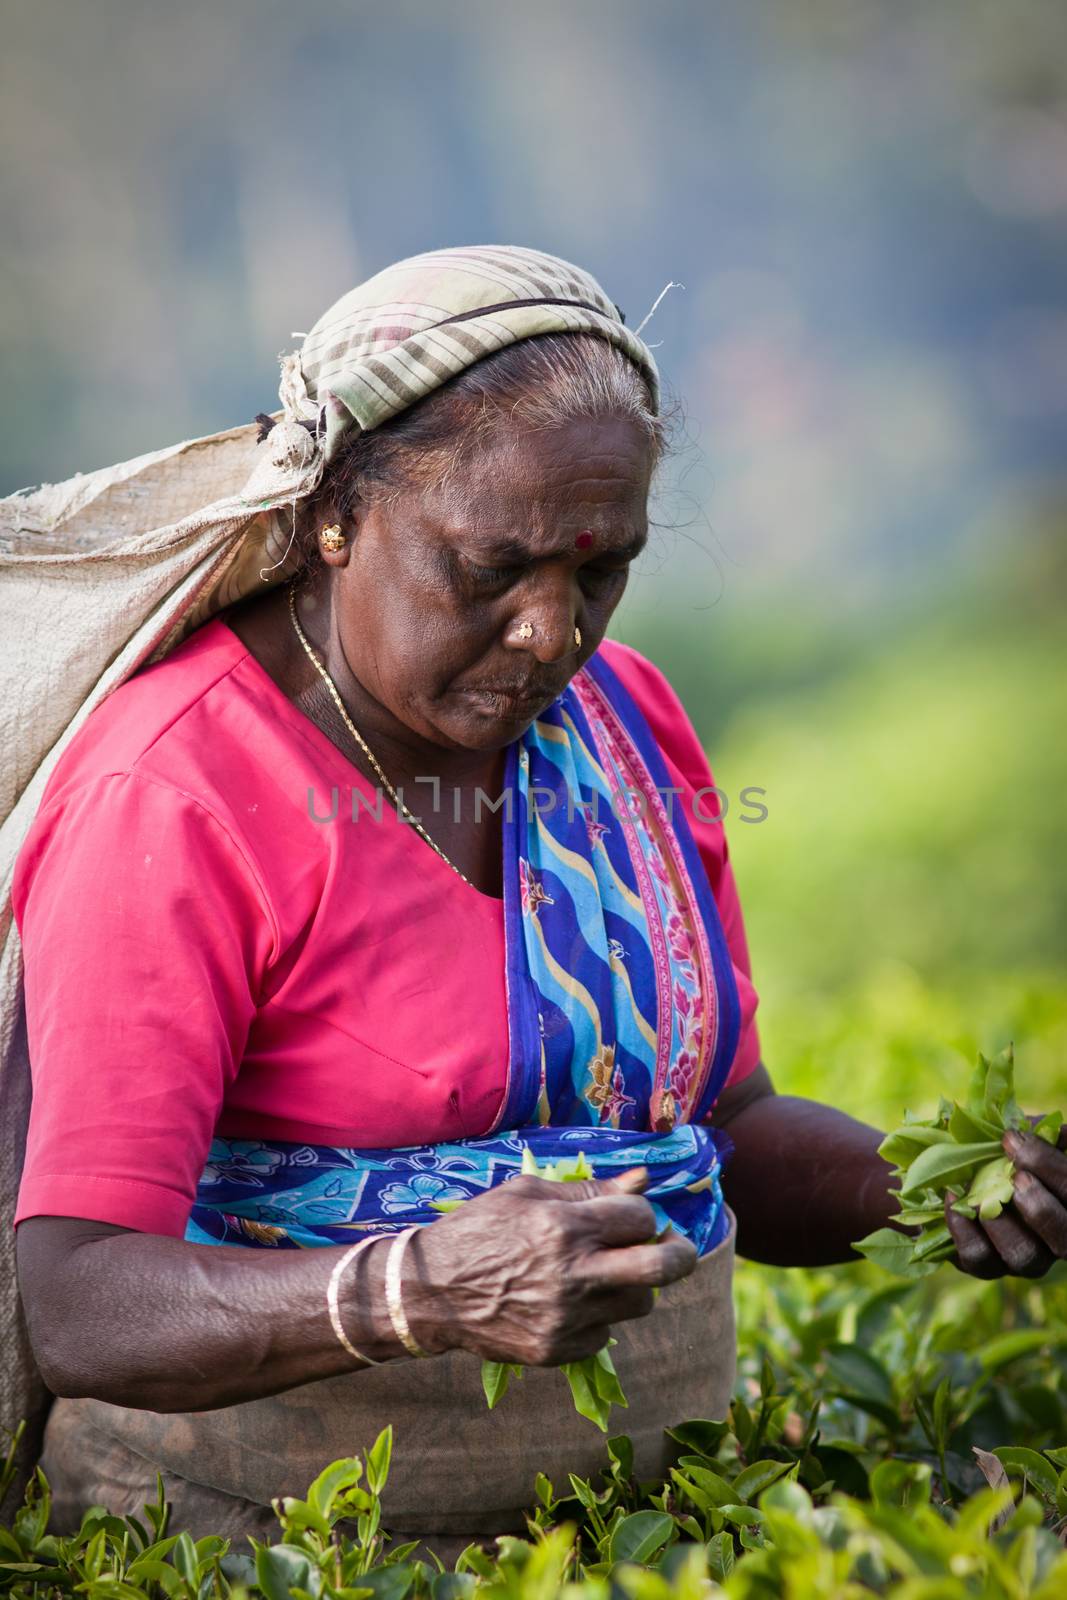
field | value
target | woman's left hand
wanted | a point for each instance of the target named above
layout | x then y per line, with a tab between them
1031	1233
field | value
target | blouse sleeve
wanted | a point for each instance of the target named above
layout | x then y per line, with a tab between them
685	758
146	935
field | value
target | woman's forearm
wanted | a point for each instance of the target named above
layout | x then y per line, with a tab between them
529	1272
805	1181
163	1325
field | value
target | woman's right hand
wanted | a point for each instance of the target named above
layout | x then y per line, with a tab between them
537	1272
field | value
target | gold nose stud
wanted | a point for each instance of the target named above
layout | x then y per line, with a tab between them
525	631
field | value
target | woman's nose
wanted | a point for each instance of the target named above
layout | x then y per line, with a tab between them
546	628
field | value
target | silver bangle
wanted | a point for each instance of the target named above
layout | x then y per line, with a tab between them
392	1294
331	1299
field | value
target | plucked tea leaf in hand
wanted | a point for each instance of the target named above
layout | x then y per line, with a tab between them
992	1187
594	1383
904	1144
893	1251
946	1164
958	1151
1049	1127
1000	1101
496	1375
965	1128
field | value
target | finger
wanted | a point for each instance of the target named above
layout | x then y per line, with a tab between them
614	1220
1026	1255
1042	1213
1035	1155
630	1182
525	1186
974	1251
579	1346
610	1305
651	1265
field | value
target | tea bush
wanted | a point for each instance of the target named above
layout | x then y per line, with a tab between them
889	1438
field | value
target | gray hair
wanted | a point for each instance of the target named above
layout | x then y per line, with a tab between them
542	383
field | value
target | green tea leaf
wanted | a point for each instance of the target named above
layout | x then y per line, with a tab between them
992	1187
281	1567
496	1375
379	1457
966	1128
976	1091
750	1483
720	1554
1000	1088
587	1400
1019	1462
1011	1346
903	1145
1049	1127
332	1481
387	1583
889	1249
638	1536
934	1243
945	1164
705	1487
917	1217
900	1483
700	1435
604	1377
856	1372
568	1169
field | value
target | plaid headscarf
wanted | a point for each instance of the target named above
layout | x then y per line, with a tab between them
406	331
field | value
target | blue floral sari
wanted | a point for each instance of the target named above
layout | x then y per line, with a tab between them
623	1012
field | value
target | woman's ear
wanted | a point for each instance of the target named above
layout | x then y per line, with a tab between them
336	531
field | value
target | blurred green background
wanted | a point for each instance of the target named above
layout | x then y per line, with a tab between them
858	578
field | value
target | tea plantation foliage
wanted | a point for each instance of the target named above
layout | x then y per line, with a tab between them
898	1439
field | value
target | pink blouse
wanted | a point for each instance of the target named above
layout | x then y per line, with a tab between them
204	956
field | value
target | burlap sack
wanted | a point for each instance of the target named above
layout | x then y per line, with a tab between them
99	576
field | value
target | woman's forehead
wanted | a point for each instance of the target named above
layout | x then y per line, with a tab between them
591	462
582	504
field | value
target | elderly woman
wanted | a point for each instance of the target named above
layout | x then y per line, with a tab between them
379	879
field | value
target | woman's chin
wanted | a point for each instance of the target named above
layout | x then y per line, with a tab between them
490	722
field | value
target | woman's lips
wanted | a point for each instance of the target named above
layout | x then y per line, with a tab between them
510	699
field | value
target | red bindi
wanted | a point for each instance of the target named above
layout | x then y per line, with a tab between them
584	539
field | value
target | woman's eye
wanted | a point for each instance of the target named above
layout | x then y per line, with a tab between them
490	576
497	577
602	577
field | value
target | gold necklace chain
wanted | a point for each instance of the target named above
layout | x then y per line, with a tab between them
363	745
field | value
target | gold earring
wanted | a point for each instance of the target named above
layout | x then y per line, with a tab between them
578	638
525	630
332	538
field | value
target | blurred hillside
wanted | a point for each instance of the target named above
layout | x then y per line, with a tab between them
857	581
866	202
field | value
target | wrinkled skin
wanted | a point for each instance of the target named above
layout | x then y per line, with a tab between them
586	1258
533	1272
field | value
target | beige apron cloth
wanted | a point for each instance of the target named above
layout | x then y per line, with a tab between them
459	1471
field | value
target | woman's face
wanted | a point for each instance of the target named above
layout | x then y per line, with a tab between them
534	529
